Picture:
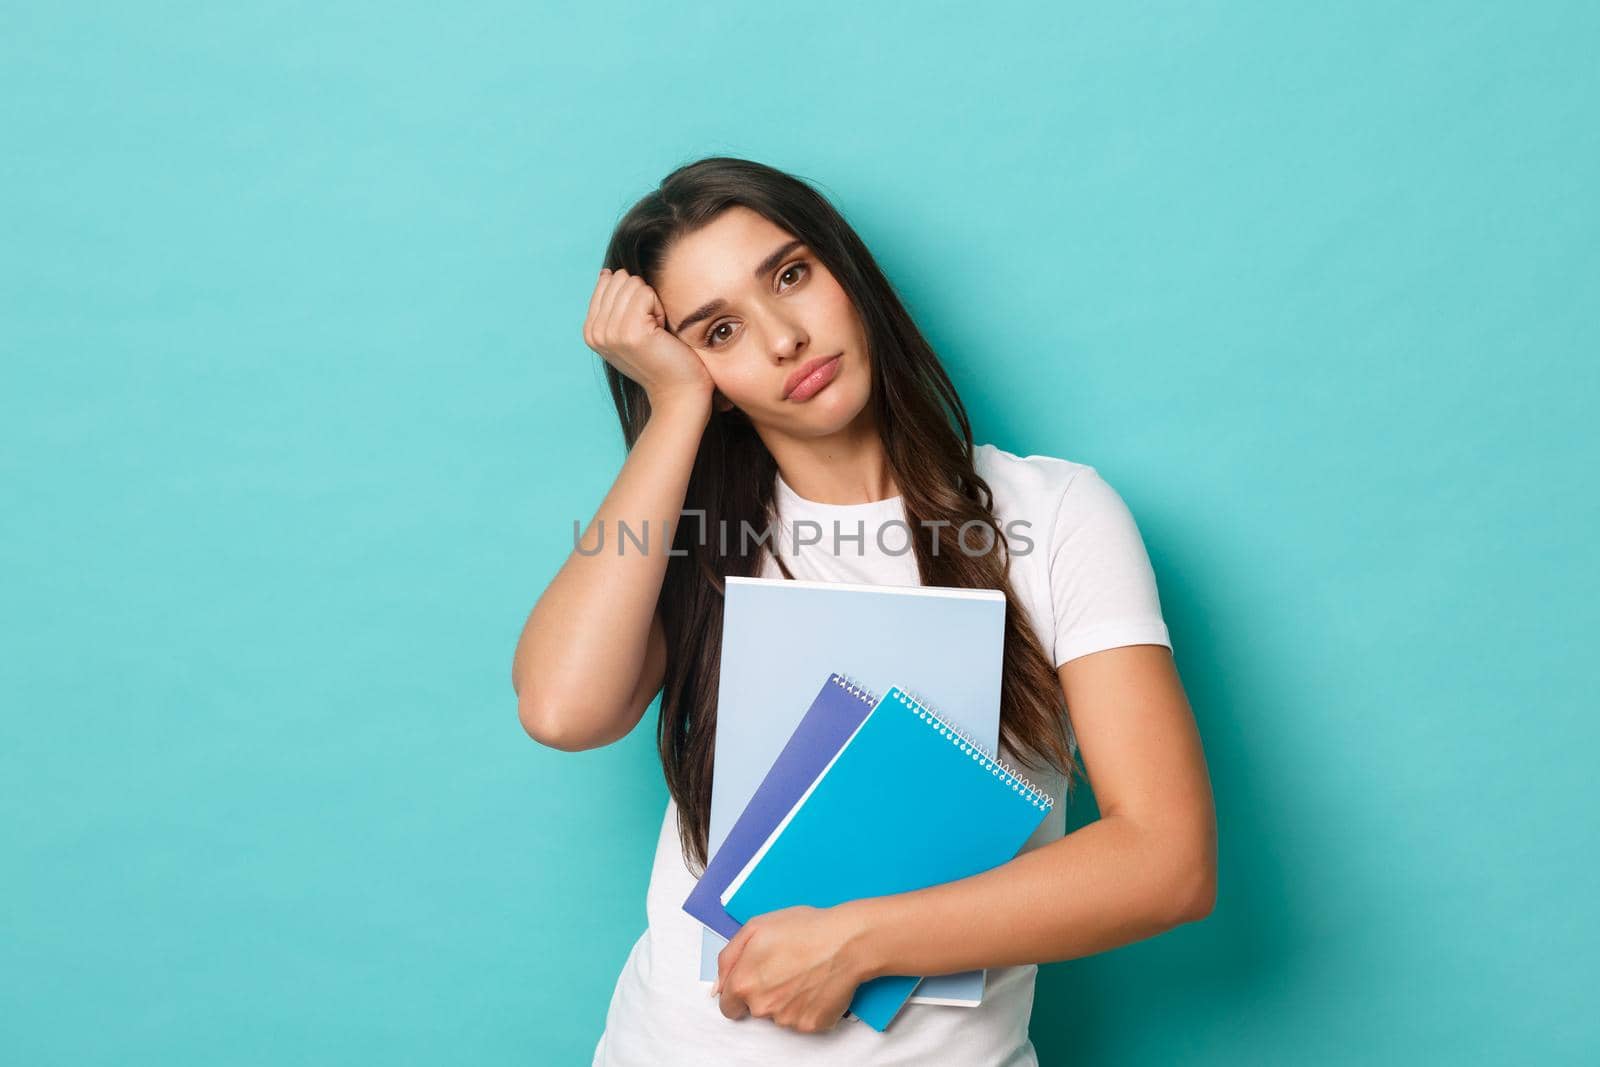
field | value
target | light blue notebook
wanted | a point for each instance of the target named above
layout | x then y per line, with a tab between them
907	803
779	637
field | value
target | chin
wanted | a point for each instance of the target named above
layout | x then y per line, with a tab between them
826	414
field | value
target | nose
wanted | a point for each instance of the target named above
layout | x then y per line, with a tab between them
786	338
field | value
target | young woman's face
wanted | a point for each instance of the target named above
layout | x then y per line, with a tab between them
762	312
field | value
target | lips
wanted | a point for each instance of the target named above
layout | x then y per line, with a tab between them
805	371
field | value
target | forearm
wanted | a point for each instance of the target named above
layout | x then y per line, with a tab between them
1105	885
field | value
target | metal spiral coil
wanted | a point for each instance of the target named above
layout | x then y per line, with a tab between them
853	687
991	761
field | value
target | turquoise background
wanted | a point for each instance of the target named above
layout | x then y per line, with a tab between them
297	417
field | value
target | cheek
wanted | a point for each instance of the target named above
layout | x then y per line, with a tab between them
843	322
735	382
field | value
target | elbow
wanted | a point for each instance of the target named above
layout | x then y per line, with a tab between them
1194	895
545	726
1181	881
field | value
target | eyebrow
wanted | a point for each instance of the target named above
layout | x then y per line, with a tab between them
765	267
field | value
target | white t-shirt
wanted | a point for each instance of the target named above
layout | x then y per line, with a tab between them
1087	585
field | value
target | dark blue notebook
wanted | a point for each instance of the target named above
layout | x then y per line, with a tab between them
837	710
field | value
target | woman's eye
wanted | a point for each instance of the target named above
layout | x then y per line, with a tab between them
714	335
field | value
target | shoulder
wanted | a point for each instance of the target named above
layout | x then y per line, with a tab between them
1028	483
1060	498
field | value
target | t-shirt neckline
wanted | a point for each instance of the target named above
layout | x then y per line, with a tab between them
792	503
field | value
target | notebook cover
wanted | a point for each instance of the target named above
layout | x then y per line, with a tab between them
907	803
949	640
839	708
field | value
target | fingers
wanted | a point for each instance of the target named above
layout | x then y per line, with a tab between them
622	305
733	1005
590	319
657	311
615	284
728	958
630	313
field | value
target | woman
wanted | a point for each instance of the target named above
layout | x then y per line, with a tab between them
764	369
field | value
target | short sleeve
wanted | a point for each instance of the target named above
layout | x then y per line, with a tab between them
1102	587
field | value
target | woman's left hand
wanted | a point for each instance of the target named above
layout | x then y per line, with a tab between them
798	967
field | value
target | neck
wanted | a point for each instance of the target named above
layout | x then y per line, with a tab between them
848	467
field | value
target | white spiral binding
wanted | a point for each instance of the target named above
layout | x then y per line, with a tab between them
991	762
853	687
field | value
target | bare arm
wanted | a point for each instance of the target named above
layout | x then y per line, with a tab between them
1147	864
592	654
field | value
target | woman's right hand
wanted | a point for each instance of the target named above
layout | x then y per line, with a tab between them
626	326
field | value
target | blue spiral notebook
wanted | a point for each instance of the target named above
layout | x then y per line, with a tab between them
910	801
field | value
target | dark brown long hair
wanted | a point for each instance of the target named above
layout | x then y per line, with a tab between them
926	436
